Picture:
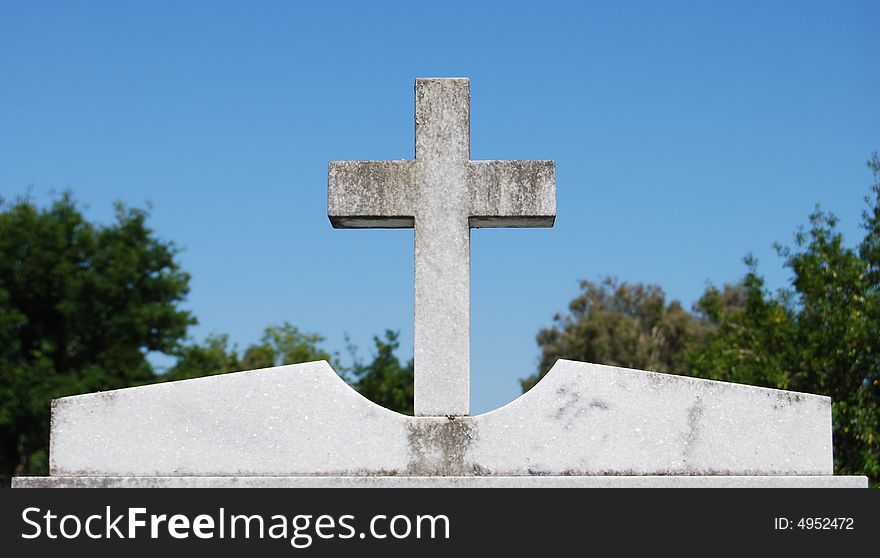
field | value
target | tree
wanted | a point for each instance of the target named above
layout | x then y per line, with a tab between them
741	321
385	380
194	360
80	306
619	324
820	335
279	345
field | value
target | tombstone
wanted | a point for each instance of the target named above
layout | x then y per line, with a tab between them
582	425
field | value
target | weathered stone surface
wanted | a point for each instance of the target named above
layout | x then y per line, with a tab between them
512	193
303	420
442	194
669	481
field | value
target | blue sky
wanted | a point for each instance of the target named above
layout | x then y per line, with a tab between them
685	136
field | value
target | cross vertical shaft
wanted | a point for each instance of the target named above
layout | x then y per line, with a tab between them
442	194
442	249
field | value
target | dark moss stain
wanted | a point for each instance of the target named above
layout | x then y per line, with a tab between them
442	447
786	399
573	409
568	400
665	472
53	408
599	404
693	422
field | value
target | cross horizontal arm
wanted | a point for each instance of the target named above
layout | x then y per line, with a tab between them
371	194
512	193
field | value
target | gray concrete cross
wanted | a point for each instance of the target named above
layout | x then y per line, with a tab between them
442	194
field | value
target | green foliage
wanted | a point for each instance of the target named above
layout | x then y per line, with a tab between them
214	356
820	335
283	344
619	324
80	306
385	380
737	318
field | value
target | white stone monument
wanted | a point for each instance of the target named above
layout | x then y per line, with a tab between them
582	425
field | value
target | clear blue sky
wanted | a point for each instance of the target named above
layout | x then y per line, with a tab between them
685	136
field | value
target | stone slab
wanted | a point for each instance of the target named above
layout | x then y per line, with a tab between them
826	481
303	420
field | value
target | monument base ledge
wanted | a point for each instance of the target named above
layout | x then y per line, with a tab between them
819	481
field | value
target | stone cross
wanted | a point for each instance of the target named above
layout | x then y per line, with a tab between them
442	194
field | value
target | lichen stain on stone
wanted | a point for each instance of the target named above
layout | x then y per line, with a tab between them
573	407
107	401
599	404
790	398
786	400
569	404
695	411
442	447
